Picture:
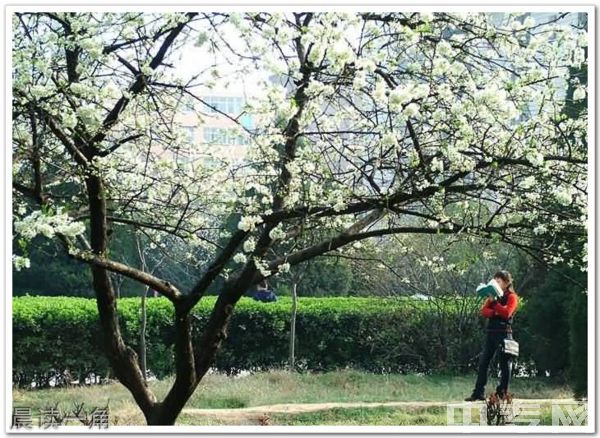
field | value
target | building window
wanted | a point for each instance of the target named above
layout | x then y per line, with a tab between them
190	134
223	104
222	136
186	159
187	108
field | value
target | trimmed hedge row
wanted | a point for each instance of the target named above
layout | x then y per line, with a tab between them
53	334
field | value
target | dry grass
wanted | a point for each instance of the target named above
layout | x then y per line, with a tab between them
218	391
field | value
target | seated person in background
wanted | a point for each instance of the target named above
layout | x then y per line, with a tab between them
263	293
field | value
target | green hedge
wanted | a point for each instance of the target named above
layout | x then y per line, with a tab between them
54	334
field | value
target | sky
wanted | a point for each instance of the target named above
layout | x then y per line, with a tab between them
194	59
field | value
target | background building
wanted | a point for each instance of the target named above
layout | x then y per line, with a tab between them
214	125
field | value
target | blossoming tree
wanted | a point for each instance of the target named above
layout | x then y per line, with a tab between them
367	125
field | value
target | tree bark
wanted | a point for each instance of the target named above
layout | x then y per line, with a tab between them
143	336
122	358
292	361
186	377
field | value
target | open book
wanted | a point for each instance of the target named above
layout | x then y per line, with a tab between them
492	289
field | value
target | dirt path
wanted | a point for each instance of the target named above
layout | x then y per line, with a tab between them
254	413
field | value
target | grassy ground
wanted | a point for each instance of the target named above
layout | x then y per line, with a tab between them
385	416
221	392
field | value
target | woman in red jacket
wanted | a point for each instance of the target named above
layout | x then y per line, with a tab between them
499	312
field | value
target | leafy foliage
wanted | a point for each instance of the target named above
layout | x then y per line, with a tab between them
374	334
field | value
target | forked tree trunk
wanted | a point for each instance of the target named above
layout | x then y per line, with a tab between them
190	365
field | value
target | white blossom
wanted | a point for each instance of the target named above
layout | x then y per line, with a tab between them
379	94
20	262
92	45
89	116
71	229
240	258
579	93
276	233
399	96
527	182
48	225
249	245
437	165
534	157
248	223
389	139
411	110
69	120
444	48
563	195
440	66
262	266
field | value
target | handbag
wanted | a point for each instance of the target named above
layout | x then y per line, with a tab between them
510	347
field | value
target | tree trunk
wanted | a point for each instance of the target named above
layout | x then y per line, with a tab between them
122	358
292	360
186	377
143	336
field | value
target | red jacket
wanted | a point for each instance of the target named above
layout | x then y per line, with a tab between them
492	308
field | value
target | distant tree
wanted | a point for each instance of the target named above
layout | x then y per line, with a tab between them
560	295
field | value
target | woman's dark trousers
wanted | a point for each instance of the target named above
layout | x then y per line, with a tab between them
492	345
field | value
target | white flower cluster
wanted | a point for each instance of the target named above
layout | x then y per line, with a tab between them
441	66
389	139
340	54
240	258
535	157
283	268
40	91
411	110
379	93
527	182
578	57
90	116
68	118
444	48
405	93
529	22
364	66
338	200
315	88
277	233
262	266
584	257
436	264
93	46
249	223
249	245
48	225
445	92
437	165
579	93
20	262
564	195
83	90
